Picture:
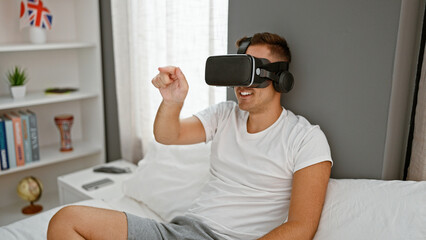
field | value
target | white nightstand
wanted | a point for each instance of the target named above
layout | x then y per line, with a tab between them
71	190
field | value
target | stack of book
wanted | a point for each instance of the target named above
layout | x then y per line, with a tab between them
18	139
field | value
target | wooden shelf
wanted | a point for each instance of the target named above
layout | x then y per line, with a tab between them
39	98
46	46
51	154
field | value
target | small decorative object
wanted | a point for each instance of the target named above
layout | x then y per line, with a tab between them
64	123
17	79
59	90
30	189
36	15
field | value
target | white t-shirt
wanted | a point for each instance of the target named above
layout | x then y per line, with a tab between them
249	190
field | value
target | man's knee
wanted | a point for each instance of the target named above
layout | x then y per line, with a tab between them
65	214
62	220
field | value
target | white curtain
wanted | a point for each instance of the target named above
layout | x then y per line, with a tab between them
417	168
148	34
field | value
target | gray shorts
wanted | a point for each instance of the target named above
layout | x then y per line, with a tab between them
179	228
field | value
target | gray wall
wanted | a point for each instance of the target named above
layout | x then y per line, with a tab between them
343	64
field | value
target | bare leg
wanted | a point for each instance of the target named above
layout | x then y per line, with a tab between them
81	222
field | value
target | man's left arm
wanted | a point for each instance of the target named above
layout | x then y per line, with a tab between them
306	203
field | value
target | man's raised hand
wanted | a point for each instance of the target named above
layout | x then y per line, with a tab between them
172	84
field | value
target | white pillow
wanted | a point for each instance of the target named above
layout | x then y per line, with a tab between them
373	209
169	178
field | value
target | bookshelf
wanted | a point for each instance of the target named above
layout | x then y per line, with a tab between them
50	155
71	57
39	98
47	46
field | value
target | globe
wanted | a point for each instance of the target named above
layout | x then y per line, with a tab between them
30	189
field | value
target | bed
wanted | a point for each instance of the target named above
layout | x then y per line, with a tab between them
354	208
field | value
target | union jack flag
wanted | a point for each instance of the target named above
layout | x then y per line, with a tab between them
23	18
35	14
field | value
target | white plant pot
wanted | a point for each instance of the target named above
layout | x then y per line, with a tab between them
37	35
18	91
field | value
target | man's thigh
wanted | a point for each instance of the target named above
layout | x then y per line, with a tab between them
145	228
76	222
180	228
90	222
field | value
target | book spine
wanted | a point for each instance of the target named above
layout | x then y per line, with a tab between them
19	144
34	136
4	161
10	139
26	137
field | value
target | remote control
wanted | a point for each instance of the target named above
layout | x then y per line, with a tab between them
97	184
110	169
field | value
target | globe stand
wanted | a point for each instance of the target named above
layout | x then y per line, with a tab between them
32	208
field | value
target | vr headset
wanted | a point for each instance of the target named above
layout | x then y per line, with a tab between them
245	70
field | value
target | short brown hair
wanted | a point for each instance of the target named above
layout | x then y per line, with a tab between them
277	44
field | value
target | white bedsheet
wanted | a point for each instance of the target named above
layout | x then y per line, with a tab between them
35	227
353	210
127	204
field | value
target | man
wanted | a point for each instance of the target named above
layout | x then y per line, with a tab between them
261	155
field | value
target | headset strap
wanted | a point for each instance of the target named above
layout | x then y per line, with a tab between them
276	67
272	70
244	45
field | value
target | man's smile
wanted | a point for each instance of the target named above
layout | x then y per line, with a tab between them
245	93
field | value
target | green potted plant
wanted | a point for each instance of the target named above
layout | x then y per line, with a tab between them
17	79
